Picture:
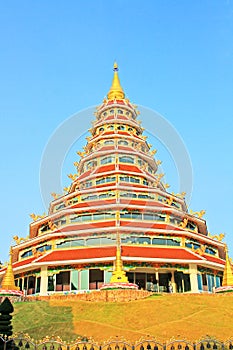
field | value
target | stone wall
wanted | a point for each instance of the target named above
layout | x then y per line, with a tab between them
98	295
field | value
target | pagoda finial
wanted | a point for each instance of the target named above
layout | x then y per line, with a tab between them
116	91
227	274
8	281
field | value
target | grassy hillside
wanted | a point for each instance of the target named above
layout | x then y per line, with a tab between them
180	316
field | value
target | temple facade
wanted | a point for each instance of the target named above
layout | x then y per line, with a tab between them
117	191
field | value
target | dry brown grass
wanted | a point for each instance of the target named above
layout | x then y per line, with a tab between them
181	316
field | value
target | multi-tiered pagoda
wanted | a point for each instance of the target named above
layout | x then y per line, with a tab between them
117	199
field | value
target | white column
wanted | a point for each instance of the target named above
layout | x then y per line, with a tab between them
44	281
193	278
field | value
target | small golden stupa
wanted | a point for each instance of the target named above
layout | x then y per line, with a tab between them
8	282
227	274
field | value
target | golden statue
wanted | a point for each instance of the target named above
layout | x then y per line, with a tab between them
158	178
55	195
217	237
52	226
166	185
66	189
36	253
81	154
76	163
184	223
200	250
37	217
199	214
153	152
158	162
169	200
179	195
18	239
72	176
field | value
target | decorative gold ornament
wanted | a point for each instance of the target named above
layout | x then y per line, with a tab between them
55	195
184	223
52	226
169	200
179	195
166	185
81	154
37	217
66	189
217	237
199	214
158	162
18	239
73	176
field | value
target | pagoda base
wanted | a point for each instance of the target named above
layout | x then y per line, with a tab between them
224	289
10	292
119	285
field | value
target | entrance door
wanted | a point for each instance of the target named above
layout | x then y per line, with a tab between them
63	281
96	278
164	279
140	279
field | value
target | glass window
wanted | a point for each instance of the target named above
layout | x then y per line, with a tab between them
120	111
124	178
210	250
144	240
123	142
145	182
125	215
112	111
143	195
128	194
137	216
76	218
173	242
109	142
111	179
158	241
99	216
121	127
26	254
93	241
126	159
101	129
86	217
60	206
100	181
107	160
148	216
134	180
108	241
44	248
111	127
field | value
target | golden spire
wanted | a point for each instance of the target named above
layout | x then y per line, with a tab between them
118	274
116	91
227	274
8	281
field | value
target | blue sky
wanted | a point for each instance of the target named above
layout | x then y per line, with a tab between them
175	57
